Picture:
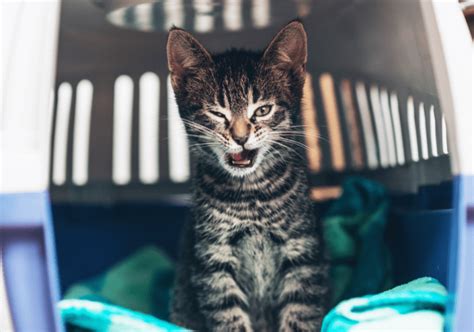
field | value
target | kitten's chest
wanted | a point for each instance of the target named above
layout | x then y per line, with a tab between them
258	257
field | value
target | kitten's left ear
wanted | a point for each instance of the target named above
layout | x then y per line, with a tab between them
288	49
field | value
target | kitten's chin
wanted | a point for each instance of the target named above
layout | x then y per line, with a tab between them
240	172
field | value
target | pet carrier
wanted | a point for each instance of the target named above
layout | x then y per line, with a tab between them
91	132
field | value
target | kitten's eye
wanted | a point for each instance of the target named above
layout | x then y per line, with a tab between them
218	114
263	110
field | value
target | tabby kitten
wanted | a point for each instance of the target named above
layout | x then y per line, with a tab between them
252	257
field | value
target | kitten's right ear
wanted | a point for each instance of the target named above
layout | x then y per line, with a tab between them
288	49
185	53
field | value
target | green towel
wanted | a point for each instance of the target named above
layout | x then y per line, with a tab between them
354	235
141	282
416	305
102	317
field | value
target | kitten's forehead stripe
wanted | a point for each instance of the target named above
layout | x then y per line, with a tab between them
255	93
221	97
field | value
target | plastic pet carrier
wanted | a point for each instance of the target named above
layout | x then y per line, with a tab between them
94	152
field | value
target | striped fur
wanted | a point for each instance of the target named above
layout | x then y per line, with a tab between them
252	257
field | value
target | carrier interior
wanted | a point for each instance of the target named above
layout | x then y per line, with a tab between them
125	182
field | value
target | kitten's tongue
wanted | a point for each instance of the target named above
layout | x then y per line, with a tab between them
238	156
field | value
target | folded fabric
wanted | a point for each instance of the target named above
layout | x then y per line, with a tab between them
419	304
141	282
354	227
102	317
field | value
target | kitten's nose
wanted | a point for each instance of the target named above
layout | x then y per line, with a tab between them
240	139
240	131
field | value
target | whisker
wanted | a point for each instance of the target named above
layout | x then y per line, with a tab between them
290	133
294	156
286	147
204	144
204	130
290	141
300	134
298	126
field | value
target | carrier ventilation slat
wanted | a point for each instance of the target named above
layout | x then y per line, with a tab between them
203	16
367	129
388	126
333	122
149	127
444	135
348	105
204	21
379	126
423	132
178	144
397	128
123	108
61	133
412	129
434	144
80	159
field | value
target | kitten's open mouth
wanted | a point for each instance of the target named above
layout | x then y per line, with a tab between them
242	159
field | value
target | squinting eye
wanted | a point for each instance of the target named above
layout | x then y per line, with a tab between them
218	114
263	110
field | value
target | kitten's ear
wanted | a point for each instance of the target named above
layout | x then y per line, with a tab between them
288	49
185	53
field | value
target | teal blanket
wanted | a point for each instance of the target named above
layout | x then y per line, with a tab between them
141	282
419	304
98	316
354	230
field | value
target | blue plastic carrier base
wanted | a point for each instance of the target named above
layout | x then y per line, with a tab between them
461	260
27	246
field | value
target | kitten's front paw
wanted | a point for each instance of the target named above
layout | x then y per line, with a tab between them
231	320
300	318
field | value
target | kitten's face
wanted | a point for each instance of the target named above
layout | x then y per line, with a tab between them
239	107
